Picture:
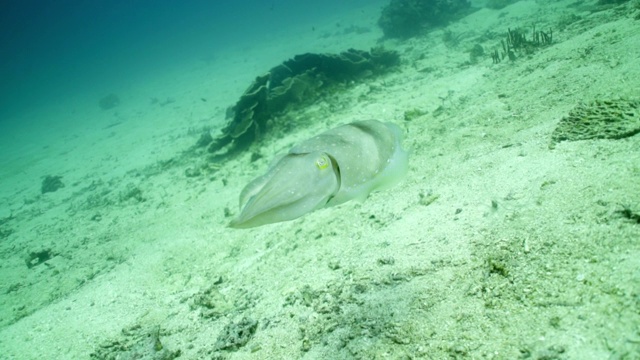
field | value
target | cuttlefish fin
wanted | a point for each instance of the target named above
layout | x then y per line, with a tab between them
295	185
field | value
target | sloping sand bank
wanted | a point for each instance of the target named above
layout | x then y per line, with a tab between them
494	246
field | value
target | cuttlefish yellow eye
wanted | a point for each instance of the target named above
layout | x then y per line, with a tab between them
322	162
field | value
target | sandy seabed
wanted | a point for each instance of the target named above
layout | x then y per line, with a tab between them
495	246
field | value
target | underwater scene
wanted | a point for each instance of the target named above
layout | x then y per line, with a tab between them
361	179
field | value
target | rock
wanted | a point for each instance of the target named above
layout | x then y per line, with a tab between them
236	335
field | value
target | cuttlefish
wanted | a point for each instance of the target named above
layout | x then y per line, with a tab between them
342	164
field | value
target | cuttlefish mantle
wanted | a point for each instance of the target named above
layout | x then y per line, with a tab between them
342	164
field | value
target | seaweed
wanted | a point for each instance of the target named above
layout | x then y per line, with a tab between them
516	44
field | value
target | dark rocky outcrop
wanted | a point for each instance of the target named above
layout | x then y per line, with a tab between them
407	18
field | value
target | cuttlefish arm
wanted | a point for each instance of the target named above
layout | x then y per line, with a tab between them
342	164
295	185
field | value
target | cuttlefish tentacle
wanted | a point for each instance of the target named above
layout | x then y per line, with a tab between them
342	164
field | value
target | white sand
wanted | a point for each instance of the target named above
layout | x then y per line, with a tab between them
552	272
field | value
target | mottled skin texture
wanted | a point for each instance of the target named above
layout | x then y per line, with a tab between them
339	165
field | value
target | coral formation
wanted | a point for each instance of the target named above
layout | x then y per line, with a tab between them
236	335
109	102
407	18
296	81
476	52
51	184
600	119
607	2
499	4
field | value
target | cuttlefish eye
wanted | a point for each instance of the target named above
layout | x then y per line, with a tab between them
322	162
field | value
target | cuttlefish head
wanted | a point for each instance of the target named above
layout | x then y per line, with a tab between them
295	185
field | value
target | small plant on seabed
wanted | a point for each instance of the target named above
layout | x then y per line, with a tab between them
517	44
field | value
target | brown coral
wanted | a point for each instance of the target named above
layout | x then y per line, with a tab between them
304	78
600	119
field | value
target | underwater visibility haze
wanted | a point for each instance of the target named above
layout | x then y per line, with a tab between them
176	179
